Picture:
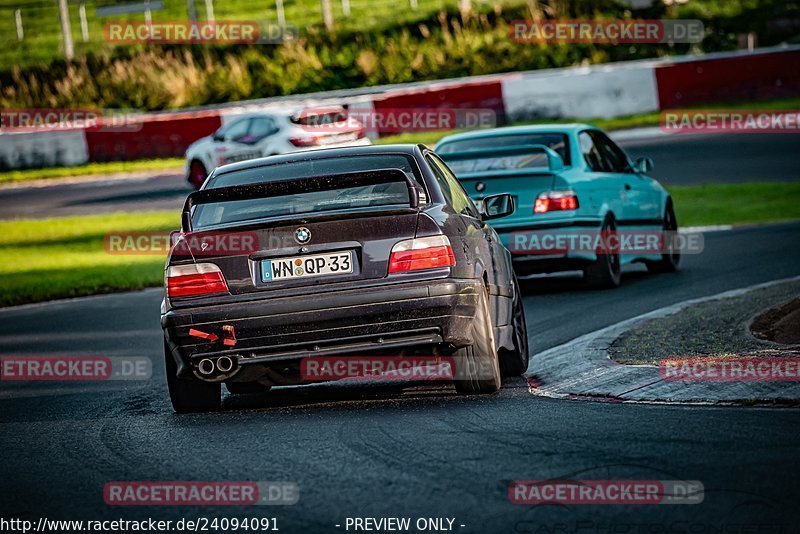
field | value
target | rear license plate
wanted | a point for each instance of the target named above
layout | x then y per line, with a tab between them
307	266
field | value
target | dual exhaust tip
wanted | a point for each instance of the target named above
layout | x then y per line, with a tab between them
221	365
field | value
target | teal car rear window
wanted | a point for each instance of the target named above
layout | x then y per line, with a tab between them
556	141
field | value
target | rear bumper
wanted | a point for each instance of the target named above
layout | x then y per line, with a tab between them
528	259
355	321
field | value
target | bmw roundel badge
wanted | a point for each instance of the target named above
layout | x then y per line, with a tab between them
302	235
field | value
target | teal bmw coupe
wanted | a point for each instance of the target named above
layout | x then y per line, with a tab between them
580	202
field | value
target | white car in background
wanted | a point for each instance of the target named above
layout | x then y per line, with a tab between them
262	134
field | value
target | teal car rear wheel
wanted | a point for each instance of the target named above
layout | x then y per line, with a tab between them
606	271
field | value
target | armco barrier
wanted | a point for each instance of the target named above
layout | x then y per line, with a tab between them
21	150
483	94
610	90
755	76
613	90
160	136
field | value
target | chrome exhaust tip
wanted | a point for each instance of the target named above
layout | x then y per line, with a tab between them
205	367
224	364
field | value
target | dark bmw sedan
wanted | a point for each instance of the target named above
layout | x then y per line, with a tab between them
343	252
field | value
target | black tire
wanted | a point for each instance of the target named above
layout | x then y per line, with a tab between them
478	366
247	388
514	363
670	261
190	394
606	271
197	173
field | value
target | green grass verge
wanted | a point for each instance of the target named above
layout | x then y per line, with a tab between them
750	203
65	257
93	169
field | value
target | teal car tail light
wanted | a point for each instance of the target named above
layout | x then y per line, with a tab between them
556	201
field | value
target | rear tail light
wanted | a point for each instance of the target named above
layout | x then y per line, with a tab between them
194	280
556	201
421	253
303	141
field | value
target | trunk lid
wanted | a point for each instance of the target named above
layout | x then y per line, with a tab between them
318	231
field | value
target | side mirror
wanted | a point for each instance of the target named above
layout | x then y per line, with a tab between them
643	165
218	136
496	206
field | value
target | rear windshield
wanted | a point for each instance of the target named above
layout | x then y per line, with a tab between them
346	198
555	141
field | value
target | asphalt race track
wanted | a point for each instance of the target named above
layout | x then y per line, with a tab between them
408	450
684	159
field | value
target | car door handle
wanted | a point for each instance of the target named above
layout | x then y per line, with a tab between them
627	187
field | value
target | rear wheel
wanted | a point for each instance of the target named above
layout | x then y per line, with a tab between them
197	173
606	271
514	363
477	366
189	394
671	257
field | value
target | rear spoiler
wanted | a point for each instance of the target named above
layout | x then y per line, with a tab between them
554	161
309	184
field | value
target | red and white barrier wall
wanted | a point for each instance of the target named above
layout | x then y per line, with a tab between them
610	90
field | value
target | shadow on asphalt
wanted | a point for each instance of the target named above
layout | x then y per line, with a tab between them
330	393
573	282
337	395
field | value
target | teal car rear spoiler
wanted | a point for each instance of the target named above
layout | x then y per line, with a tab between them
554	161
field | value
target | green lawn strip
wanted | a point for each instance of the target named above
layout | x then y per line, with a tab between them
65	257
93	169
749	203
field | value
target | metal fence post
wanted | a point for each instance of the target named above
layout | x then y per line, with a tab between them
84	23
18	21
327	14
66	31
191	10
281	14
